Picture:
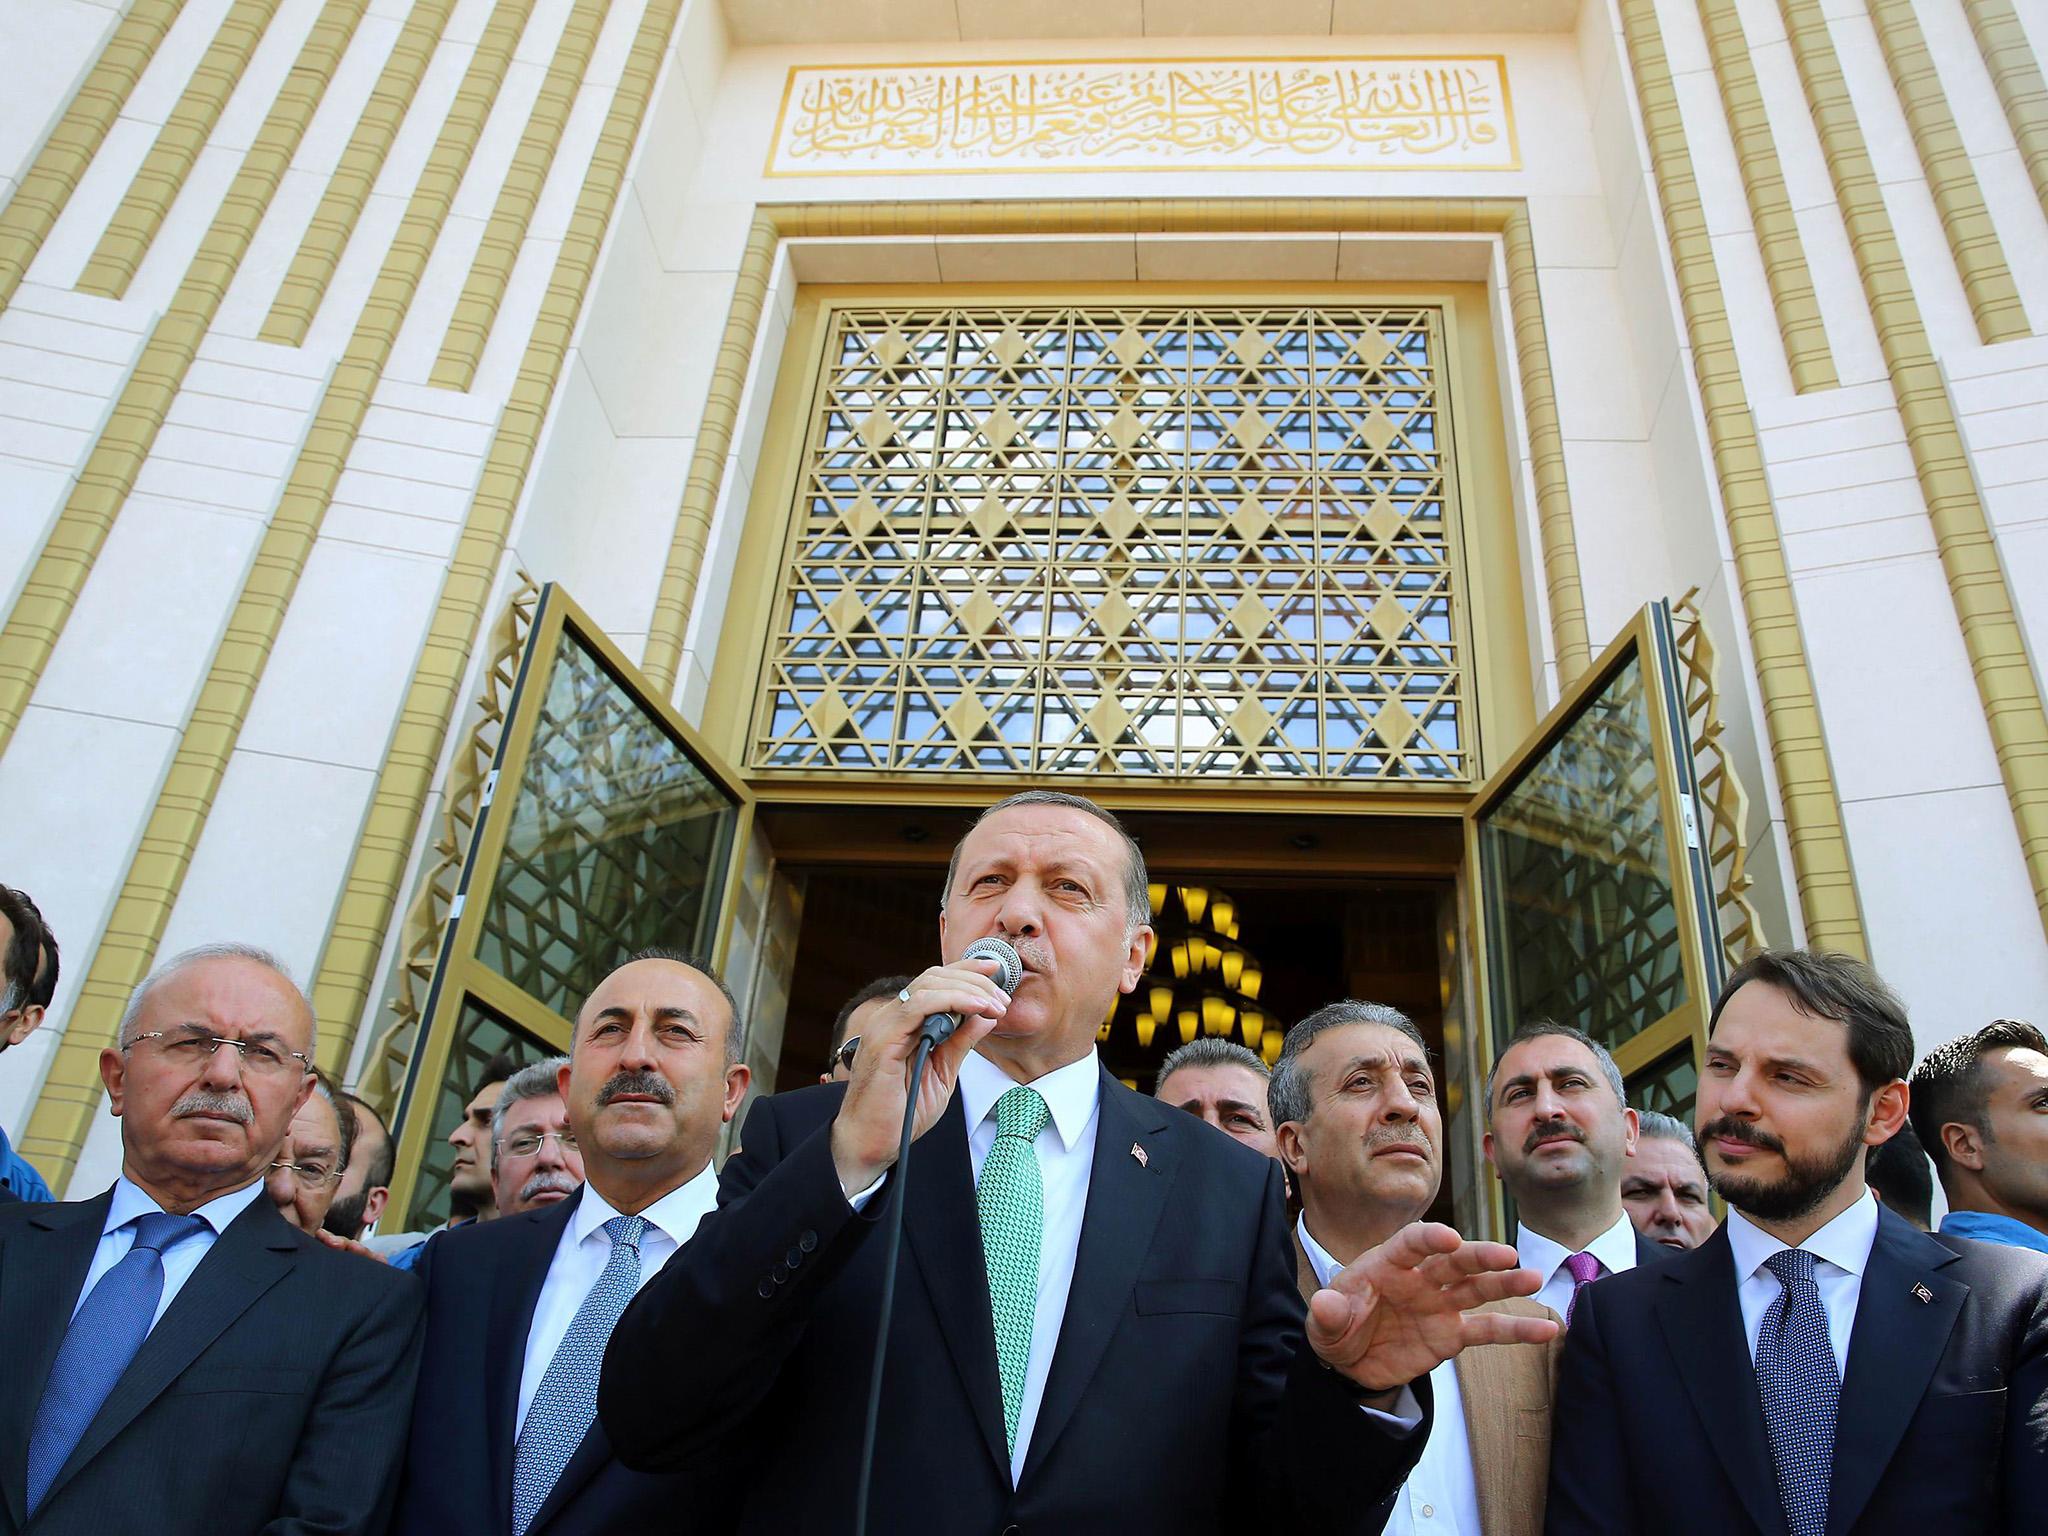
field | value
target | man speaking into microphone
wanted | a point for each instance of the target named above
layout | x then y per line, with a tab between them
1096	1326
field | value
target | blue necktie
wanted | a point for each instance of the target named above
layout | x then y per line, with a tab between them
565	1402
1802	1392
109	1328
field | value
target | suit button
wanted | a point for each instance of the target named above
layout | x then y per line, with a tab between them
808	1242
794	1257
1012	1530
765	1290
779	1273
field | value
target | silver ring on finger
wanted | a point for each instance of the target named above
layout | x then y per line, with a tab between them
903	996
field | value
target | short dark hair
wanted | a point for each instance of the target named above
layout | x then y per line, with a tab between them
385	1163
1543	1029
881	986
498	1069
1210	1051
1949	1087
1287	1090
1137	900
20	966
344	1120
1897	1169
1827	985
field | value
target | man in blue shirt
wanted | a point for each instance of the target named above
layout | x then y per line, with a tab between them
1980	1105
28	980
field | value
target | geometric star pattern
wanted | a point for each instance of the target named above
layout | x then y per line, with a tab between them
1132	542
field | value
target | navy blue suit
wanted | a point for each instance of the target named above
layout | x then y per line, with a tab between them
1181	1395
1944	1407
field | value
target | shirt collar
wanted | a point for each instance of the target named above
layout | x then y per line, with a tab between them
1319	1258
676	1213
1070	1092
1844	1242
1615	1249
1989	1227
130	1201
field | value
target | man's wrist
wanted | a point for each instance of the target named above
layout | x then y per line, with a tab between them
855	1172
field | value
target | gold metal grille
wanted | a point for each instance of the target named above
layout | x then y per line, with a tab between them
1145	542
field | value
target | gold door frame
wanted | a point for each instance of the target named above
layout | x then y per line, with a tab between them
460	976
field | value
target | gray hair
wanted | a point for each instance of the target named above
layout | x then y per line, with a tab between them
1137	901
227	951
539	1081
1287	1093
1544	1029
1208	1051
1655	1124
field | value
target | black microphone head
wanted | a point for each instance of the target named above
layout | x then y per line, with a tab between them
1000	951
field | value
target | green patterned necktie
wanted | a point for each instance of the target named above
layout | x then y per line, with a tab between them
1012	1201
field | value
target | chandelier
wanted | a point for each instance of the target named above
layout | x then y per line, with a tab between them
1199	979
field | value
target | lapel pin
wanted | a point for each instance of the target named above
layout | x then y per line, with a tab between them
1139	1153
1921	1294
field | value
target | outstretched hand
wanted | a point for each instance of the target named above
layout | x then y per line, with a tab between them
1399	1310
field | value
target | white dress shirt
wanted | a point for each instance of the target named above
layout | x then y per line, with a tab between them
1841	1252
580	1258
117	1236
1066	1162
1615	1249
1441	1494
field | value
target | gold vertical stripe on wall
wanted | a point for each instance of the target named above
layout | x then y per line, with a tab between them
163	171
70	1097
334	220
1806	780
348	964
1770	206
66	558
2016	76
662	660
1546	454
469	328
1972	239
48	183
2006	681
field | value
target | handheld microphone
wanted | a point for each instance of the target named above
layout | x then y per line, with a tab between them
940	1026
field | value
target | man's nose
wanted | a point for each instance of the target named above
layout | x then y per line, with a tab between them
223	1067
638	1050
1399	1103
1022	913
550	1153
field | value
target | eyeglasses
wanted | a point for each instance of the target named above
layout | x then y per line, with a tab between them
526	1143
308	1173
259	1057
843	1057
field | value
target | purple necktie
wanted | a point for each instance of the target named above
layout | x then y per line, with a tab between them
1585	1270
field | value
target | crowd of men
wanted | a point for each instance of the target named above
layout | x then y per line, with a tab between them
1107	1316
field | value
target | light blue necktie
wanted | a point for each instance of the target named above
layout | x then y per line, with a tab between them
1802	1392
1011	1200
103	1337
565	1403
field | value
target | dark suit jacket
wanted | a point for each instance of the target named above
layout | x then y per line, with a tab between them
483	1281
270	1396
1180	1397
1944	1416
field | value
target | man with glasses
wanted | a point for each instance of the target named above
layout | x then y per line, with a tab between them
534	1157
28	980
854	1015
518	1311
308	1167
180	1355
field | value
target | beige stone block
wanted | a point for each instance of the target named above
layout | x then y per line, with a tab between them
1029	259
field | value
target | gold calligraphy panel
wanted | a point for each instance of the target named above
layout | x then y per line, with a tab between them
1449	113
1143	542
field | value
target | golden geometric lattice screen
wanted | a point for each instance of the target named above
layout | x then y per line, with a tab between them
1146	542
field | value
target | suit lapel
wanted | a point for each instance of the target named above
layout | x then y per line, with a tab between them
1702	1323
943	1226
514	1295
1507	1389
1125	1199
257	1250
1894	1348
42	1268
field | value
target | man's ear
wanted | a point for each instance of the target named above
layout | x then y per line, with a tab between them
1293	1146
1964	1144
1887	1113
1632	1123
114	1075
1486	1146
736	1080
374	1203
25	1022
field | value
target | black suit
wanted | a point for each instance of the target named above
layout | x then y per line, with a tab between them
483	1282
1180	1397
1944	1406
270	1396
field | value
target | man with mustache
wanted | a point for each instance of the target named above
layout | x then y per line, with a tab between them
1817	1365
535	1157
1355	1111
178	1357
519	1309
308	1167
1663	1186
1559	1132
